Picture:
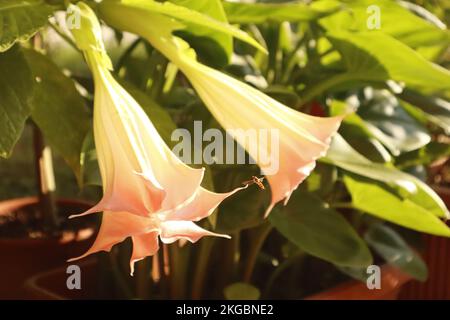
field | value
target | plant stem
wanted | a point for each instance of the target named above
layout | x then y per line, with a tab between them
46	181
117	275
64	36
204	252
178	271
278	271
342	205
163	276
259	235
143	280
310	93
123	58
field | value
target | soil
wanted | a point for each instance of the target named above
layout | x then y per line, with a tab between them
28	222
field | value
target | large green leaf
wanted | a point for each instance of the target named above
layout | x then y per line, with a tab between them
375	56
16	87
391	246
386	119
355	132
185	15
381	201
424	156
58	109
20	19
242	12
320	231
344	156
210	45
434	109
395	20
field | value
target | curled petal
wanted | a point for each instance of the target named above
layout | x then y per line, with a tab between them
302	138
201	206
172	231
144	245
116	227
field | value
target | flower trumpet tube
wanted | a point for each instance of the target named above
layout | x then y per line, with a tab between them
237	106
147	191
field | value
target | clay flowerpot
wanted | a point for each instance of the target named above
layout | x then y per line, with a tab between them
23	257
437	257
392	281
51	284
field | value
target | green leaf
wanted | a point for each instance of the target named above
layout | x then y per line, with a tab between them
395	20
391	124
16	85
355	131
434	109
58	109
185	15
320	231
212	46
21	19
383	202
375	56
241	291
321	181
424	156
391	246
294	11
344	156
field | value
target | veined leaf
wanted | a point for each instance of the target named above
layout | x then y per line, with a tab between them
214	46
321	231
391	246
355	132
242	12
394	19
58	109
21	19
344	156
386	119
375	56
184	15
377	199
16	89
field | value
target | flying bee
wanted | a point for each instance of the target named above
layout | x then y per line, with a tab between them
255	180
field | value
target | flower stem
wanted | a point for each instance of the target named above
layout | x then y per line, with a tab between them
342	205
45	182
259	235
64	36
163	271
278	271
204	252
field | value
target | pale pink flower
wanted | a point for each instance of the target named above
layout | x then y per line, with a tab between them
235	105
147	191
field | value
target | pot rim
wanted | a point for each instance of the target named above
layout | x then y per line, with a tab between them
10	205
392	279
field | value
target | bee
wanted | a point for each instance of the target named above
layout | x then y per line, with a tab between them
255	180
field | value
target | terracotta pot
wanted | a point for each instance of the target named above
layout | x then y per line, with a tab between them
437	258
392	281
23	257
51	284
